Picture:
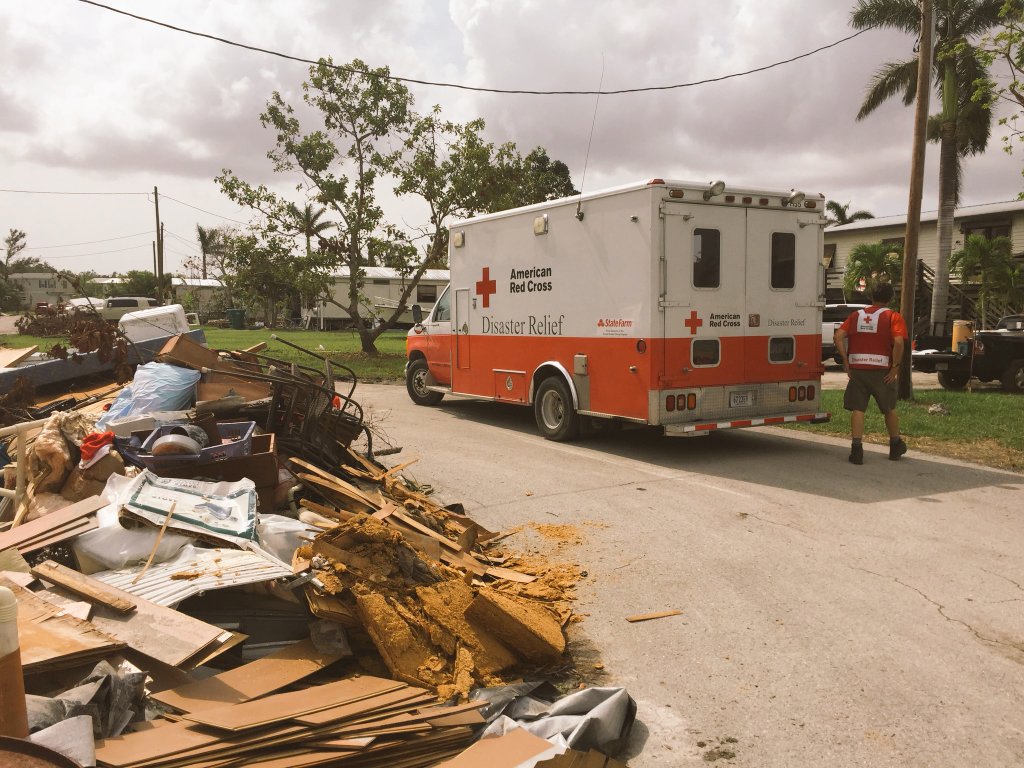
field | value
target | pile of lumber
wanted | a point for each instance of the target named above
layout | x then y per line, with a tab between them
360	721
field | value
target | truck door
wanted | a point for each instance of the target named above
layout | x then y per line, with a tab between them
437	335
782	289
460	328
704	293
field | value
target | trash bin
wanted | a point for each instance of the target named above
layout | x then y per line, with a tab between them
236	318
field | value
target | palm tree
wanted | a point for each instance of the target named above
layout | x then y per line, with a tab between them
963	127
308	221
210	243
990	263
840	214
874	263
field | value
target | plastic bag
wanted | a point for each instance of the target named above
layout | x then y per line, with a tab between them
156	387
114	547
281	536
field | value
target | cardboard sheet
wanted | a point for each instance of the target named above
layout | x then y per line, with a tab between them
249	681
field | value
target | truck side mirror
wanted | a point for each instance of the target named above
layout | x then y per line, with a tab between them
417	313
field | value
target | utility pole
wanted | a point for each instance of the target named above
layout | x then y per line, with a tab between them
159	268
154	257
924	81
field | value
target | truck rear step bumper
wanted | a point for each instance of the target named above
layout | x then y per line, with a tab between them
691	430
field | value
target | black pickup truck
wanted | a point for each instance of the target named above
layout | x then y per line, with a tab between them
996	355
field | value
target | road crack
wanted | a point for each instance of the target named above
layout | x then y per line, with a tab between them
942	612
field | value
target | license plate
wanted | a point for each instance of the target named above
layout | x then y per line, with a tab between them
741	399
941	366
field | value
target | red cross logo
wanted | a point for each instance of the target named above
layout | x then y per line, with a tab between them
693	322
486	287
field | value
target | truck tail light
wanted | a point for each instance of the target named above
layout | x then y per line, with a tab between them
691	401
801	393
792	394
670	403
810	392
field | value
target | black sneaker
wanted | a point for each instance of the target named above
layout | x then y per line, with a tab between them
857	453
896	449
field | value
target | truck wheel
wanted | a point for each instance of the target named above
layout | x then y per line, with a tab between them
1013	377
416	383
556	417
953	381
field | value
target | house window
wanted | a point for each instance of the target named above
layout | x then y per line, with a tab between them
783	273
829	254
48	283
705	352
987	230
426	294
707	258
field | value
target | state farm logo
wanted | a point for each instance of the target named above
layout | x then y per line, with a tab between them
614	326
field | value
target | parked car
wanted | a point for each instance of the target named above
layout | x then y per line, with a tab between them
82	304
832	316
114	308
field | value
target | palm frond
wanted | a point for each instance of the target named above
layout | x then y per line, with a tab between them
891	79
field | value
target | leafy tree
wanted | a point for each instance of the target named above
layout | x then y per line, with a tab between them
840	214
28	264
874	263
1005	47
963	127
991	265
263	272
139	282
14	244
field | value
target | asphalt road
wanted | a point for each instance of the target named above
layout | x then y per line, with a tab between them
832	615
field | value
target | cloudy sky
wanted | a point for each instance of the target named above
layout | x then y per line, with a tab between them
95	102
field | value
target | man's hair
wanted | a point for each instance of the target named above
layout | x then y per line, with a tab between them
881	293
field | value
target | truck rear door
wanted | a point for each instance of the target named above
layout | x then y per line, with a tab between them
782	290
704	291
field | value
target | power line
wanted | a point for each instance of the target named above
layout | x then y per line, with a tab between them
196	208
88	242
97	253
395	78
43	192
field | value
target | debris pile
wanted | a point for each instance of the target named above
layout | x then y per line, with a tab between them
213	574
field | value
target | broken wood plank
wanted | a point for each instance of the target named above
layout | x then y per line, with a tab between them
649	616
93	590
26	533
11	357
359	503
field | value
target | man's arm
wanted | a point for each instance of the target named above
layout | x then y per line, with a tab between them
839	337
898	345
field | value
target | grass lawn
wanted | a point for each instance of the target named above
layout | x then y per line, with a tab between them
982	427
342	346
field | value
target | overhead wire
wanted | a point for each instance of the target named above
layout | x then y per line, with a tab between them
459	86
87	242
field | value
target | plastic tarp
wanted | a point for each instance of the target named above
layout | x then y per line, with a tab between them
594	718
156	387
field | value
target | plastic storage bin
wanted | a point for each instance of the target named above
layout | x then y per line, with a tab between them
236	439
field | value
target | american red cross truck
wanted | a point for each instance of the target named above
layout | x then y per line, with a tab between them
693	307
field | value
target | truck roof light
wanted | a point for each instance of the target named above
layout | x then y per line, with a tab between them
763	201
714	190
748	200
675	193
810	204
655	182
730	198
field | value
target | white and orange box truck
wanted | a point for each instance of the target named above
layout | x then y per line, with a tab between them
693	307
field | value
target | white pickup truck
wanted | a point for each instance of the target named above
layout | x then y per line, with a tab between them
832	316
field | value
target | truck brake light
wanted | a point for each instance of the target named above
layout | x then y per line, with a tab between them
670	403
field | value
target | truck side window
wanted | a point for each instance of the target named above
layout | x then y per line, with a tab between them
705	352
783	260
442	310
707	258
781	349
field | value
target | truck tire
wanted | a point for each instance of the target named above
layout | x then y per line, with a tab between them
553	408
416	383
953	381
1013	376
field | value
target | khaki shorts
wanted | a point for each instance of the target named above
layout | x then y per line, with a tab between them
864	385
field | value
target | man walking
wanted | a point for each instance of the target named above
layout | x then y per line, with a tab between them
871	343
